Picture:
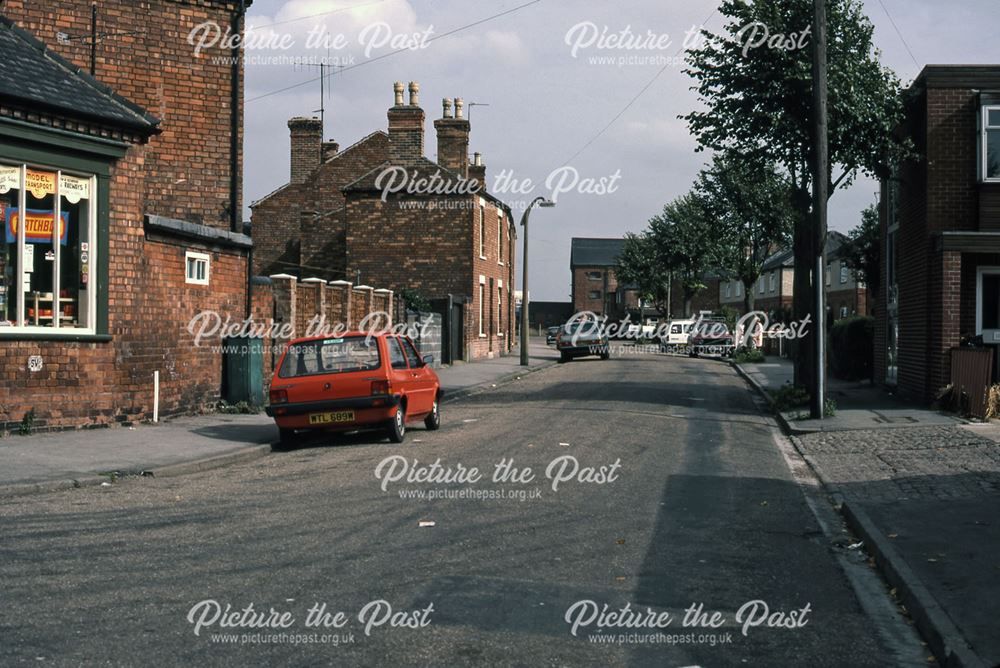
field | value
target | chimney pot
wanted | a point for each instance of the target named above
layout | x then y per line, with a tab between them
397	90
477	159
414	94
329	150
446	104
459	105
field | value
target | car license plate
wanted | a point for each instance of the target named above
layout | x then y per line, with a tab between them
327	418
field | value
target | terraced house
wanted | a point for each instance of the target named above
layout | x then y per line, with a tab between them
381	213
120	200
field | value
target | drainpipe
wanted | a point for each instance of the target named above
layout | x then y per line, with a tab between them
235	110
235	113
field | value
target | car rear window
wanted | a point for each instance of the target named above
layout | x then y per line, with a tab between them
352	353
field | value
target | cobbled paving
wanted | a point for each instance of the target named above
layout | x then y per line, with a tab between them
939	462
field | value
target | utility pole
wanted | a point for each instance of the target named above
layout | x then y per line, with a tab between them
821	180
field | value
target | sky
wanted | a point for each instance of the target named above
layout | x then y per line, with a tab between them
560	105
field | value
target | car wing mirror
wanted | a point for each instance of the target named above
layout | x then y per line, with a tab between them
428	360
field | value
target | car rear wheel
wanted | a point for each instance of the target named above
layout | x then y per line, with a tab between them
433	421
397	426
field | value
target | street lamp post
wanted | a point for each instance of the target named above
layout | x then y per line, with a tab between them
540	201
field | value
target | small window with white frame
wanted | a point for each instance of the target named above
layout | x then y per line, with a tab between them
774	281
844	272
196	268
990	168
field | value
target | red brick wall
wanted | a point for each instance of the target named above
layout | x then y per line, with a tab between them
188	165
606	285
149	308
281	246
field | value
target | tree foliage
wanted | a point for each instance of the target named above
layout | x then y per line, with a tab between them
751	207
640	264
760	99
862	252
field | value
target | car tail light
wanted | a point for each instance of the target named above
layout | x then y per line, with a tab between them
279	396
380	387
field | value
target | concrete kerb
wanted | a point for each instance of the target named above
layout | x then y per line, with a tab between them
944	639
214	461
238	456
461	393
941	634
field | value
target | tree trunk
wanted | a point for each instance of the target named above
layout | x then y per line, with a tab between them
749	300
688	298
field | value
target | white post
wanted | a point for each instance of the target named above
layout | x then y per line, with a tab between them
156	396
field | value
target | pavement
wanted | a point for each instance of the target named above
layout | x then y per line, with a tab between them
922	490
860	405
68	459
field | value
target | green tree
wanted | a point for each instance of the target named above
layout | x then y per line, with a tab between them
641	264
759	103
687	243
862	252
751	205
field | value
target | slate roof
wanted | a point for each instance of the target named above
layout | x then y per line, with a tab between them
591	252
38	79
786	257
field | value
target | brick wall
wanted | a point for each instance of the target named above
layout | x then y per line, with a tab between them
187	167
281	246
149	307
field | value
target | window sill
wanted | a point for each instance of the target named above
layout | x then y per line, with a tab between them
482	336
482	257
53	336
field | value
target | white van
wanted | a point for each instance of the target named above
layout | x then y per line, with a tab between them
677	336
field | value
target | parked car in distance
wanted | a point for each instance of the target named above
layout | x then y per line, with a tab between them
353	382
581	339
711	337
550	335
677	336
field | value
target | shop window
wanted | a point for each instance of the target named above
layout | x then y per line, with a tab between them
196	267
47	261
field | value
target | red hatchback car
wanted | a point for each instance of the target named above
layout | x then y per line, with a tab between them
350	382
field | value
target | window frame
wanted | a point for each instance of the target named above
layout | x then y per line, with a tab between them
985	129
499	237
482	231
774	281
198	256
482	309
21	329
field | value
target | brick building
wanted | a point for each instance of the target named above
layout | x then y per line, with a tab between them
595	288
340	218
940	218
774	289
139	167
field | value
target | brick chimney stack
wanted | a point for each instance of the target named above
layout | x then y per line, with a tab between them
306	139
453	138
477	170
406	126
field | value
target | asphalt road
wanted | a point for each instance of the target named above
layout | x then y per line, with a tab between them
701	509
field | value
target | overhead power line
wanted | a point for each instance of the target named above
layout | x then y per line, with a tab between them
634	99
399	50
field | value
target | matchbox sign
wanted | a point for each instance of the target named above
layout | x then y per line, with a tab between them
38	226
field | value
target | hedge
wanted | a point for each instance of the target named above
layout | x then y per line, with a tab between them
852	341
